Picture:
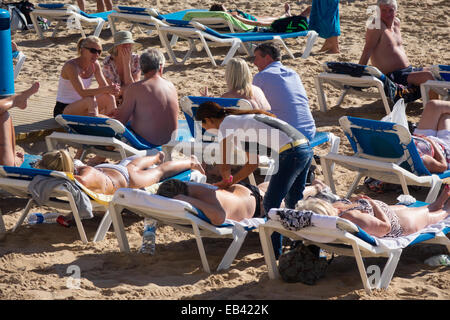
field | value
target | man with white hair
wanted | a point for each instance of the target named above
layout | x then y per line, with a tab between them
150	106
384	48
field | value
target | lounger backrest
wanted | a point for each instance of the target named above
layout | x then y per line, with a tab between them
190	104
441	72
383	141
101	127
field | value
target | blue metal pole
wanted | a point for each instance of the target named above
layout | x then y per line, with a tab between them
6	60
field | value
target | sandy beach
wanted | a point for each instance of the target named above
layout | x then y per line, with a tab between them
34	260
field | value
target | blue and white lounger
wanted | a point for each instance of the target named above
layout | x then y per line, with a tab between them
195	31
190	104
182	216
441	85
139	16
16	180
340	236
383	151
104	136
69	14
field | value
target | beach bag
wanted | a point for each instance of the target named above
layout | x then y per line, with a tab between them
290	24
302	264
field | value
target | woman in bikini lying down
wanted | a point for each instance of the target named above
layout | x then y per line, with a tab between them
379	219
106	178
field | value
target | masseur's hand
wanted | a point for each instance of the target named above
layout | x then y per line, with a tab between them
223	184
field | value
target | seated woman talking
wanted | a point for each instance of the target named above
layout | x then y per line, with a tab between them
106	178
74	95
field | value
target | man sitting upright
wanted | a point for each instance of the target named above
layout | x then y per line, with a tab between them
150	106
384	48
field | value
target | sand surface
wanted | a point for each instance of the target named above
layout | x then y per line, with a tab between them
35	261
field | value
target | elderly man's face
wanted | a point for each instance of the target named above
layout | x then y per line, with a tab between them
387	13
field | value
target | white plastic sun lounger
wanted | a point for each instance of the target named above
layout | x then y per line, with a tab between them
182	216
67	14
342	237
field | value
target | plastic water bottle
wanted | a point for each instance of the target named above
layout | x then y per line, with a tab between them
37	218
440	260
149	237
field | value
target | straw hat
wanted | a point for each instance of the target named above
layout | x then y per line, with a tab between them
124	37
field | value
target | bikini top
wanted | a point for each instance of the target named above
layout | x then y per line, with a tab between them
362	205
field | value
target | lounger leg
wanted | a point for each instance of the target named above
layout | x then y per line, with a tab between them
361	268
320	94
280	42
327	166
173	40
424	89
166	44
115	212
231	52
99	28
103	227
201	248
56	28
380	87
112	23
189	53
76	216
341	98
354	184
403	183
269	255
24	214
205	45
312	38
389	269
2	226
239	235
36	25
434	189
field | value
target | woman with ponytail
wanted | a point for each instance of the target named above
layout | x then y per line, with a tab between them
255	129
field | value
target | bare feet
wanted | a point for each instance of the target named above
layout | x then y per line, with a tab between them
321	185
20	100
441	200
196	165
160	157
306	12
19	159
287	10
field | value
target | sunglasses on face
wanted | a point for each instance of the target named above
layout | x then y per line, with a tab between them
94	51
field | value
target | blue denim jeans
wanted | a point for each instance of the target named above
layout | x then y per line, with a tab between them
288	183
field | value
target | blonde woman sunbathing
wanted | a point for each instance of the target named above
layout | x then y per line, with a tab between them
379	219
106	178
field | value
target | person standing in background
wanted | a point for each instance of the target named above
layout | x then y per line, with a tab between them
324	19
101	5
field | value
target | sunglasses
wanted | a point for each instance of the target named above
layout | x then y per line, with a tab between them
94	51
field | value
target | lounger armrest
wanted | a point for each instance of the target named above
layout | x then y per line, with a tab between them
346	225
